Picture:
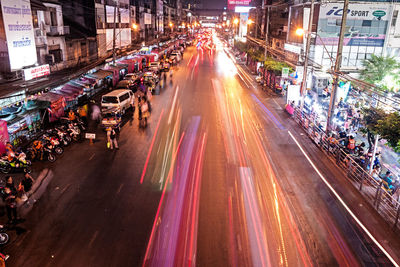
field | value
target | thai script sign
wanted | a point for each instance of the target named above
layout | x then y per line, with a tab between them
17	18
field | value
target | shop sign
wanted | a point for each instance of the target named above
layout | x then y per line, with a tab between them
285	72
36	72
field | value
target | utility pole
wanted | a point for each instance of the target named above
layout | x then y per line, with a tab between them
303	87
115	24
266	32
338	63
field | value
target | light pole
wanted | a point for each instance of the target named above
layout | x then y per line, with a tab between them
337	67
308	44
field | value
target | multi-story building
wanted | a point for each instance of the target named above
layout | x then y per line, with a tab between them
112	14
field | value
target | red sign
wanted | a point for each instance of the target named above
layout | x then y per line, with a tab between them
36	72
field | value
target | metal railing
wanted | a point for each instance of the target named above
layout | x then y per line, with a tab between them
373	190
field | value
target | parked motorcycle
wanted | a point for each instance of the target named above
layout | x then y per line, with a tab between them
53	144
33	154
15	165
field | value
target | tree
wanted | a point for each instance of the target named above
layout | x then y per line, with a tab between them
372	116
386	125
389	129
384	72
276	66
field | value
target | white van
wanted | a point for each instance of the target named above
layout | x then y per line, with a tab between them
177	55
122	99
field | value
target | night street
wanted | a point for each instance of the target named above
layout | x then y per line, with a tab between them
216	179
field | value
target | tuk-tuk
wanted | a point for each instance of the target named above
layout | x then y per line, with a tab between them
111	118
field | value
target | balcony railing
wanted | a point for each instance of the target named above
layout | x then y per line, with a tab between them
57	30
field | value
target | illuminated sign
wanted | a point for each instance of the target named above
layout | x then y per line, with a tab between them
242	9
36	72
17	18
233	3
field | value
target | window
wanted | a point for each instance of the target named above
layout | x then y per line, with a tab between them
53	16
35	19
58	57
366	23
394	18
124	97
109	99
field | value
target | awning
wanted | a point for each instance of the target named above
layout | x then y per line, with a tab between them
114	67
101	74
37	5
48	97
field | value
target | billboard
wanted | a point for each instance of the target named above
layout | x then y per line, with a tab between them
147	18
17	18
233	3
124	13
110	14
366	24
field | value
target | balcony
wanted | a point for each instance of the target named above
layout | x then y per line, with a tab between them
57	30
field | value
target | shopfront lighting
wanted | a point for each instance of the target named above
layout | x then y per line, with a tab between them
249	22
236	21
134	26
300	32
171	24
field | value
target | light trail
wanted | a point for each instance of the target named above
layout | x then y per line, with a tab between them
158	211
151	148
173	105
344	204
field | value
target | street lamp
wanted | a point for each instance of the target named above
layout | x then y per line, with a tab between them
249	22
236	21
134	26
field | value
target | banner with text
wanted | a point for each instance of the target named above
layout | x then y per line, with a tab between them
366	24
17	18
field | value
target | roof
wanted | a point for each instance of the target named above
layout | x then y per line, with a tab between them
101	74
116	92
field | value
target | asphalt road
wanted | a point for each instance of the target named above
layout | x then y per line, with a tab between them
214	180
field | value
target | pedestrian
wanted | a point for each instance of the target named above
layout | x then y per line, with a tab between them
27	183
351	145
83	114
112	138
145	112
9	197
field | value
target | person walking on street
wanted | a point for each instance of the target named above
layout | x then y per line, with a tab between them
26	183
112	138
9	197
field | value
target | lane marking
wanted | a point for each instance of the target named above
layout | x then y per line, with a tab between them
151	148
93	238
91	157
119	189
344	204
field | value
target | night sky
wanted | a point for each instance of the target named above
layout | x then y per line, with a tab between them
213	4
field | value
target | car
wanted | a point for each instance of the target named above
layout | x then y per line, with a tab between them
165	66
132	76
177	55
126	84
151	76
155	66
122	99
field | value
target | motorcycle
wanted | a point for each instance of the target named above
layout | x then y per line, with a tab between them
33	154
62	136
15	165
53	144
